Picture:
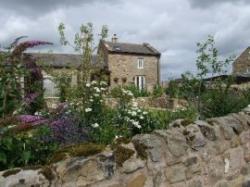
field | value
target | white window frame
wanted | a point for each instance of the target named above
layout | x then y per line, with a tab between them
140	63
140	82
53	91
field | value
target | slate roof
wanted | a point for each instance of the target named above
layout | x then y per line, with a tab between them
59	60
130	48
238	79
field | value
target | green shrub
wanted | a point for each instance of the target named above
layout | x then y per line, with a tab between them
158	91
117	91
165	117
217	103
18	150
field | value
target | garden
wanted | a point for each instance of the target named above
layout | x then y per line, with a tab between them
31	134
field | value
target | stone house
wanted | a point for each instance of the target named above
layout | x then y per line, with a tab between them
121	63
131	64
242	64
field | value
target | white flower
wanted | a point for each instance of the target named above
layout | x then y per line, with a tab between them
11	126
96	95
87	85
93	82
126	118
97	89
88	109
101	100
135	104
95	125
91	100
103	89
141	117
103	83
145	113
136	124
133	113
130	93
116	137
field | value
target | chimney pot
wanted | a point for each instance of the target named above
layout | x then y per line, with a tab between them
114	38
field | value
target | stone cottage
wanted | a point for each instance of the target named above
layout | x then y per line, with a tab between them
242	64
122	63
131	64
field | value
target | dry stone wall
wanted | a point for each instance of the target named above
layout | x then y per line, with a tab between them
212	153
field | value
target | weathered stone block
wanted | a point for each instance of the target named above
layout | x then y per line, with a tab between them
132	165
245	137
235	161
246	148
207	130
216	169
175	140
222	183
194	137
138	181
176	173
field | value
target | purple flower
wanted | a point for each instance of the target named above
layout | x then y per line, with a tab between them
30	119
20	48
66	131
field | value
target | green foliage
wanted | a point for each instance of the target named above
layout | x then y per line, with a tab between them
158	91
116	91
63	84
217	103
10	95
165	117
18	150
214	97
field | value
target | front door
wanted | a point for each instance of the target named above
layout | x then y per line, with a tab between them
140	82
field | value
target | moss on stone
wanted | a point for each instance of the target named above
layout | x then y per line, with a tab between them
34	167
122	154
141	150
85	149
58	156
119	141
47	172
186	122
11	172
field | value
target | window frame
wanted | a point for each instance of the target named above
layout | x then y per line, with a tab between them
140	63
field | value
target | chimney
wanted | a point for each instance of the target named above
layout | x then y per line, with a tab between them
114	38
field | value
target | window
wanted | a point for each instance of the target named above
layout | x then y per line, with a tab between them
50	87
140	82
140	63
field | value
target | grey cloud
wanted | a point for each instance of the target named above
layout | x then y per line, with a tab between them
209	3
40	7
172	26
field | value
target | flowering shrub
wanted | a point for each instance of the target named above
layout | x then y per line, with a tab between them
12	70
130	117
66	131
91	109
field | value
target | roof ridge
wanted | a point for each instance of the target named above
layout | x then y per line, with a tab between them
141	44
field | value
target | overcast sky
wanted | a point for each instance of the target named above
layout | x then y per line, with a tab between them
172	26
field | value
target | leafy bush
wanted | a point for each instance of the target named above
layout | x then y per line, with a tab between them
221	102
18	150
165	117
158	91
117	91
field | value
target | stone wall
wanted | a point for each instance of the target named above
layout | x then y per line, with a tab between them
242	63
124	67
163	102
212	153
